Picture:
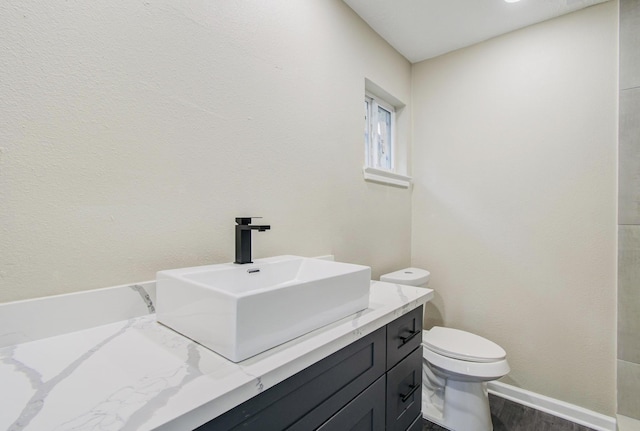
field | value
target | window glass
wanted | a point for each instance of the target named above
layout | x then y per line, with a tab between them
378	134
383	137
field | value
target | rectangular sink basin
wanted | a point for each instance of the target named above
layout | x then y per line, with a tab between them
239	311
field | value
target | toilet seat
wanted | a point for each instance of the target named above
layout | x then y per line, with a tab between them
462	345
469	356
457	369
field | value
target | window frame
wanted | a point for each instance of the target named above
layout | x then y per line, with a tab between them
371	120
397	176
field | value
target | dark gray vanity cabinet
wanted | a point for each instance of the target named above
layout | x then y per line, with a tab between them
404	370
372	384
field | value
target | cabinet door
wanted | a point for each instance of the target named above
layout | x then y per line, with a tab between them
416	425
403	335
404	392
364	413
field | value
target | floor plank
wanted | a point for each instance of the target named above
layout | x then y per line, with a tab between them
510	416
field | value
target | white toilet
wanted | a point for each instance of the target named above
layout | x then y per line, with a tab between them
456	367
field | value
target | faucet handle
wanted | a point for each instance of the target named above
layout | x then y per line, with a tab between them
245	220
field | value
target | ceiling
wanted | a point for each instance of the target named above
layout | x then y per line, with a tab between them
422	29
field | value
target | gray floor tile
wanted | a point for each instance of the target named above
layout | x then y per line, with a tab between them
509	416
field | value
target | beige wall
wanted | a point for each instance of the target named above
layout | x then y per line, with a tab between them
134	132
514	209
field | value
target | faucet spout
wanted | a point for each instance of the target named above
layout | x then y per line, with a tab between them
253	227
243	238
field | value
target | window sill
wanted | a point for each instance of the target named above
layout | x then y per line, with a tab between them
386	177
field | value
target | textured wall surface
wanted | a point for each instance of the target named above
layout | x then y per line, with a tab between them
132	134
629	212
514	209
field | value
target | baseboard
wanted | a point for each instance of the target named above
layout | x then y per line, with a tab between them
561	409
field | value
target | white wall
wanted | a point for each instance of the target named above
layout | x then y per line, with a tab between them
514	209
132	134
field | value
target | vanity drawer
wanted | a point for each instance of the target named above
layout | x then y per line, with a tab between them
365	413
404	392
403	336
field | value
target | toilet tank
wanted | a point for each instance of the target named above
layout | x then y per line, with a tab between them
408	276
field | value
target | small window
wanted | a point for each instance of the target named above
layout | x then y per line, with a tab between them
379	133
386	138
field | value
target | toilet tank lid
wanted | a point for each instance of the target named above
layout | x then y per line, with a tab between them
463	345
407	276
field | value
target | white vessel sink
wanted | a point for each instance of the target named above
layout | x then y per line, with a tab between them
241	310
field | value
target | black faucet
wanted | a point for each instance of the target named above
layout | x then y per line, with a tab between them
243	238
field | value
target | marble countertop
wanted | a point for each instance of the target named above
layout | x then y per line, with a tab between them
136	374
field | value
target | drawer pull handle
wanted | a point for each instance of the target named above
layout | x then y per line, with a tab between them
412	389
406	339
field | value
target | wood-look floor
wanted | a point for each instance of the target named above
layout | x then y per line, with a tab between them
510	416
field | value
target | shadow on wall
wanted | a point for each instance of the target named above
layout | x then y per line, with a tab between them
432	315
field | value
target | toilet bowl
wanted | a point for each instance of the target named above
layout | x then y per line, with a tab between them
456	367
455	397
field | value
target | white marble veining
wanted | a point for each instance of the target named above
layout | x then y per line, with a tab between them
136	374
